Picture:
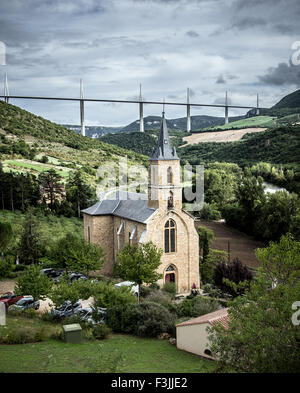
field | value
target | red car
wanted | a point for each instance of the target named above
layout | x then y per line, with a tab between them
9	298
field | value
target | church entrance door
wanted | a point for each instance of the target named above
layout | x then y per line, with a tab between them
170	277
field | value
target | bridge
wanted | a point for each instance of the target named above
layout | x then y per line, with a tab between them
6	96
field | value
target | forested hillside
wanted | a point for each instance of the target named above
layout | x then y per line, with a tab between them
279	145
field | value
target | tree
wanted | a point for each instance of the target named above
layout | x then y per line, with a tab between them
208	266
234	272
64	291
139	264
261	334
78	192
31	282
50	183
74	253
6	235
107	295
206	237
29	248
277	215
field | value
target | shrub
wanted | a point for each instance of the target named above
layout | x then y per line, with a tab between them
30	313
145	291
6	267
48	317
154	286
58	335
101	331
211	290
23	336
147	319
170	287
234	272
164	299
197	306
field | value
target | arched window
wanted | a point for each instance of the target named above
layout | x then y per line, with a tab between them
170	201
170	236
169	176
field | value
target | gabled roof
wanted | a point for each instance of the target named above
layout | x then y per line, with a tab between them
129	205
164	150
219	316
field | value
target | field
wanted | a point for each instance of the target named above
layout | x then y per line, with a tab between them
241	245
255	121
33	167
50	228
220	136
130	354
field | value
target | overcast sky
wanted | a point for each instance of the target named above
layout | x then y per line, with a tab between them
167	45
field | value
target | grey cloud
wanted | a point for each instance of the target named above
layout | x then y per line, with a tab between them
283	74
249	22
221	101
192	33
220	79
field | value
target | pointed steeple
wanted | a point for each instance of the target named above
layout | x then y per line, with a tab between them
164	150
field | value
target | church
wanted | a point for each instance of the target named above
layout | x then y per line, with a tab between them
158	217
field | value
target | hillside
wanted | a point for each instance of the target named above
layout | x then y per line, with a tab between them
289	101
179	124
256	121
142	142
25	138
49	227
93	131
277	145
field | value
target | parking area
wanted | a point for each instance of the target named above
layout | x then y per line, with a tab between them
9	285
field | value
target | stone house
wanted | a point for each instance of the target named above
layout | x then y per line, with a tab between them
136	218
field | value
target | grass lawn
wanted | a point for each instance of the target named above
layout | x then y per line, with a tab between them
133	355
49	227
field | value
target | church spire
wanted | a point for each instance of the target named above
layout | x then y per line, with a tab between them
164	150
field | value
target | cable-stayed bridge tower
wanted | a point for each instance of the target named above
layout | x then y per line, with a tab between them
82	109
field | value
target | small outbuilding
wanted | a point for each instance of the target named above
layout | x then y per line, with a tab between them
192	335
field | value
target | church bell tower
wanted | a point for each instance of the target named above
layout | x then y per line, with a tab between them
164	186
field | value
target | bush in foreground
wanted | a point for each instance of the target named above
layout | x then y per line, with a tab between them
147	319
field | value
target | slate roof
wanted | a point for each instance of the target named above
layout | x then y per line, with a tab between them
219	316
133	206
164	150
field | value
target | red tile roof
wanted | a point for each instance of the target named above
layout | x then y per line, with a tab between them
219	316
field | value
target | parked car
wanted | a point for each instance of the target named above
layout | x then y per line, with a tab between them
66	310
26	303
85	314
134	286
77	276
9	298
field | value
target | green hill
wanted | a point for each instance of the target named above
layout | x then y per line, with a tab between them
279	145
255	121
25	138
142	142
290	101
